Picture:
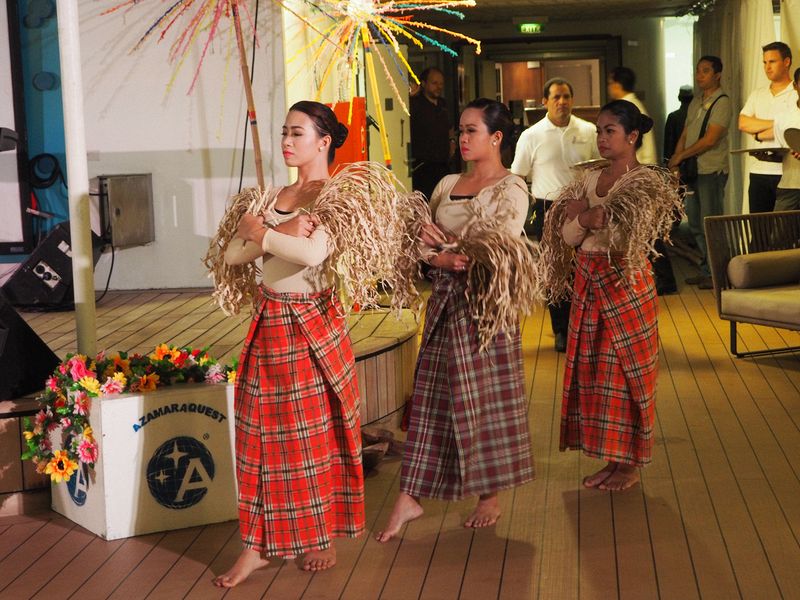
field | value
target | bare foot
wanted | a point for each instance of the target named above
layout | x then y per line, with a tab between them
249	560
623	477
406	508
486	513
596	479
319	560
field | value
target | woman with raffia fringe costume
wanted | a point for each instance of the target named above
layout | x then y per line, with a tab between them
298	449
612	216
468	428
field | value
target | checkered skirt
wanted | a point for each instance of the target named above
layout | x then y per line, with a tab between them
468	426
608	408
298	447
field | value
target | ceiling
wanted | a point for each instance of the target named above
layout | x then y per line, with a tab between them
561	10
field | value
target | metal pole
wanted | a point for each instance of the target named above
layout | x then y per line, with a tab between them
69	44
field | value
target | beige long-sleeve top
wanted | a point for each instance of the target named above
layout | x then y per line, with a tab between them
289	263
455	214
590	240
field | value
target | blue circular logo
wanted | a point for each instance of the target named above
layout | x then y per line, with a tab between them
78	484
180	472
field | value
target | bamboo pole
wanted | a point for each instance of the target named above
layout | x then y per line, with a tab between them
248	89
77	176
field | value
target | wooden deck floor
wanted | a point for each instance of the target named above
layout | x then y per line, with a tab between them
717	514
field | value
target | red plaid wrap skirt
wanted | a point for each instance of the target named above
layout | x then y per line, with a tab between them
298	446
608	407
468	428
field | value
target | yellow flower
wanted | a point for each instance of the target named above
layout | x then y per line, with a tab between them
148	383
88	434
90	384
61	466
41	467
28	435
120	377
231	376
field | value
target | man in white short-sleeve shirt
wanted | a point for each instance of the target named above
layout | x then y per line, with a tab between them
545	155
763	105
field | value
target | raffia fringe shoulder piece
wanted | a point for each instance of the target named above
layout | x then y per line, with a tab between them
372	226
235	285
503	278
642	205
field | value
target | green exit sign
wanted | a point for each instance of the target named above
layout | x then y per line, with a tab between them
530	28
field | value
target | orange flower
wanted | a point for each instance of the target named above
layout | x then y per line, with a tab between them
162	351
61	466
148	383
121	365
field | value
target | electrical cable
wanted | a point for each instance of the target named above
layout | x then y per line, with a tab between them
108	280
252	71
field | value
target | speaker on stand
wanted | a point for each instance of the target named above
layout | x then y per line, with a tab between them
44	280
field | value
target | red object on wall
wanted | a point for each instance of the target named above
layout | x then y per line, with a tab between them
355	146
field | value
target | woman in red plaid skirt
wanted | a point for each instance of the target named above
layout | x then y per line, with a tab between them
468	428
612	215
298	450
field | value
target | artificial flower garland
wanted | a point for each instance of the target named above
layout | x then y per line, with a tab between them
67	394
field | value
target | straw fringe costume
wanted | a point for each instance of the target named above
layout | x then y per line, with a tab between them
608	405
298	449
468	428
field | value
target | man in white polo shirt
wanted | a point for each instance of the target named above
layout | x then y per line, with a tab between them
545	154
763	105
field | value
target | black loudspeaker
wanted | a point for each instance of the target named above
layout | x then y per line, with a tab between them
25	360
45	279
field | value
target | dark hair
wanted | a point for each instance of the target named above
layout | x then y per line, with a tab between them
797	76
625	77
629	116
716	62
496	117
424	75
325	122
556	81
785	51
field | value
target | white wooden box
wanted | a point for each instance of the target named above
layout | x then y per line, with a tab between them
166	462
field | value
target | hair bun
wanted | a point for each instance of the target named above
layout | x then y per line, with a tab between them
339	135
645	123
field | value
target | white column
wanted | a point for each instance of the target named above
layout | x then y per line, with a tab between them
77	175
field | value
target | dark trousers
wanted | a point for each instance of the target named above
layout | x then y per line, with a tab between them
534	225
762	192
426	175
662	270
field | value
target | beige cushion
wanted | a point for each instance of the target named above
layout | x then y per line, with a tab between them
761	269
777	305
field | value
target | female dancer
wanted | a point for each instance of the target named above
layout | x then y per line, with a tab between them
468	430
612	349
298	451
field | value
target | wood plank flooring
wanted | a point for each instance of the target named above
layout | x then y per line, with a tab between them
717	514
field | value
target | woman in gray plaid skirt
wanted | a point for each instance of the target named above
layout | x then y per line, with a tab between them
468	428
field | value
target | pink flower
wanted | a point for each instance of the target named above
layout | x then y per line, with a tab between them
87	451
101	356
112	386
215	374
40	418
62	368
52	384
81	404
65	422
78	370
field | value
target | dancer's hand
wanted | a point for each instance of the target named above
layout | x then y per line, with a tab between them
432	235
594	218
575	207
450	261
299	226
251	228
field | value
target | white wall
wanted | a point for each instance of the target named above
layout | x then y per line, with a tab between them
190	143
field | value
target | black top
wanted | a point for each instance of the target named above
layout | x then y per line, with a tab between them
430	130
673	129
